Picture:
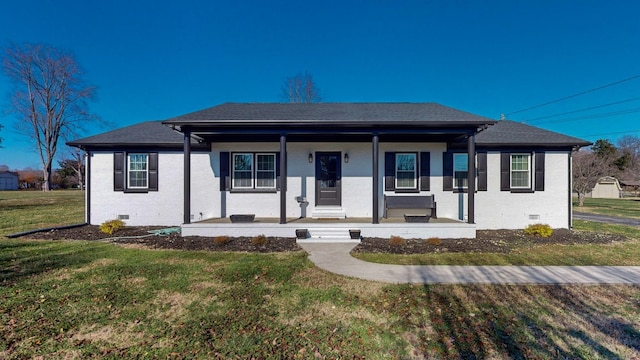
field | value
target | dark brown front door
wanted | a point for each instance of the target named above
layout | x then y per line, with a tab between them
328	178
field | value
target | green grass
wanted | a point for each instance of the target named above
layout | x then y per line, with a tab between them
91	300
94	300
29	210
615	207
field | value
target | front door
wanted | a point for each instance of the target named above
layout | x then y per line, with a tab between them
328	178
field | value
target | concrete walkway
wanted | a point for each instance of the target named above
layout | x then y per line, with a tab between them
335	258
606	219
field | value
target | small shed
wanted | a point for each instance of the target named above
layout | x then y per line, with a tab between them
607	187
630	187
9	180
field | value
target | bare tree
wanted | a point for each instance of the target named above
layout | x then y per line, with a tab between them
588	168
49	97
300	89
77	163
629	147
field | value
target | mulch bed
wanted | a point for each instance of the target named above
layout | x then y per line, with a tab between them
493	241
496	241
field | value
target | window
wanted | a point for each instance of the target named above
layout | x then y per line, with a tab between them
243	171
254	171
460	170
406	171
520	171
266	171
137	171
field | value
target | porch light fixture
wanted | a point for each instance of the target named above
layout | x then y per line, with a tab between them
346	158
310	158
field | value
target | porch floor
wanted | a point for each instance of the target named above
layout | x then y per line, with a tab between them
332	229
337	222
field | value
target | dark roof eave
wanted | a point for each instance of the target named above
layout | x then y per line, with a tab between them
542	145
98	146
322	124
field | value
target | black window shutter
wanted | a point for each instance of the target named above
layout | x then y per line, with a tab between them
425	171
118	171
278	182
539	171
505	168
225	180
389	171
447	171
153	171
482	171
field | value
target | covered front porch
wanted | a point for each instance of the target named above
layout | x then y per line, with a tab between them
300	160
328	230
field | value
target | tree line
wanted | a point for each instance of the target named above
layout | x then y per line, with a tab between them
603	158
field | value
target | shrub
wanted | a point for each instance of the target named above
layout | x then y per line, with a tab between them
111	226
434	241
259	240
542	230
396	241
221	240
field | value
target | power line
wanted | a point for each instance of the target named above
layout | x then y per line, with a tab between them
580	110
575	95
612	133
594	116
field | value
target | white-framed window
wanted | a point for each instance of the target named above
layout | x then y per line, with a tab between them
138	171
460	170
520	171
406	171
265	171
254	171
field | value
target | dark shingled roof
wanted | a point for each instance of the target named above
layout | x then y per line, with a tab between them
149	133
511	133
330	113
500	134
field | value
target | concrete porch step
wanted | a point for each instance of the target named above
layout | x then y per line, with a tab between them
332	212
329	235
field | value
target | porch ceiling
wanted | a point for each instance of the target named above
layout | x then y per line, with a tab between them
332	135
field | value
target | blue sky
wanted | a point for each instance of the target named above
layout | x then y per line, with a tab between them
153	60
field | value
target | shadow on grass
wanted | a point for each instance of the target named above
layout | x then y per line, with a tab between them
20	259
518	322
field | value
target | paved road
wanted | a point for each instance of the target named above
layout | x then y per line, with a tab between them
335	257
606	219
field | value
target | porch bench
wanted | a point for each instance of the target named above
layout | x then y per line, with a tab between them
410	205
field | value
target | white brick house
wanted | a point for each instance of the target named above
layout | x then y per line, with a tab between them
345	163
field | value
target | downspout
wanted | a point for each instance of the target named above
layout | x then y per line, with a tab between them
87	188
570	181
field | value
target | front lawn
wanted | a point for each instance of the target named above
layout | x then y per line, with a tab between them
625	207
93	300
96	300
